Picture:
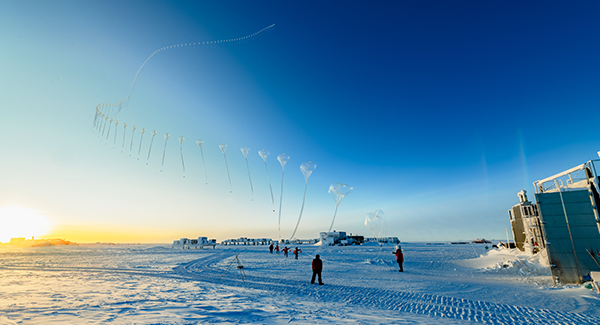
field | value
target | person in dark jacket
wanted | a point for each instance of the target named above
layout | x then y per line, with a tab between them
399	258
271	248
317	267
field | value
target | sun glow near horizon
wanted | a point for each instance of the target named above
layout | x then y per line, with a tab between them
21	222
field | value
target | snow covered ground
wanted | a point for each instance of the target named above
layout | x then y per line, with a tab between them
150	284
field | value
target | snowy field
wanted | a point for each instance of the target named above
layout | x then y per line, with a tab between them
150	284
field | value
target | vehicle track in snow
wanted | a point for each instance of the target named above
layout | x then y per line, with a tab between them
206	270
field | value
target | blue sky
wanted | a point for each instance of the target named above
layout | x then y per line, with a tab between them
436	112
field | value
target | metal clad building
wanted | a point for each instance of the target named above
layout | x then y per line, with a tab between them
567	205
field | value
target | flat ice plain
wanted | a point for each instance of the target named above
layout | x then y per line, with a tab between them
155	284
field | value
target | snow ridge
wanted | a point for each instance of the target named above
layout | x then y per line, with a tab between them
422	304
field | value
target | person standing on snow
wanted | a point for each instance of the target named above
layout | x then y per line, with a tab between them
277	248
317	267
296	251
399	258
271	248
285	251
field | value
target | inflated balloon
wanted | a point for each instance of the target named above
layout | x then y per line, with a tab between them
223	148
115	141
375	222
131	144
283	159
264	154
200	142
181	152
164	150
307	168
150	148
245	151
104	125
338	192
109	125
141	138
123	144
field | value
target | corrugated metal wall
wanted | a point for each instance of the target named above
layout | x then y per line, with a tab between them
569	255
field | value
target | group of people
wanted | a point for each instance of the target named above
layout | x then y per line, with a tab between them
317	263
285	250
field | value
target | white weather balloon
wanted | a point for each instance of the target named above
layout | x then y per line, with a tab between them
150	148
338	192
181	152
140	147
164	151
199	143
307	168
245	151
264	154
131	144
375	222
283	159
223	148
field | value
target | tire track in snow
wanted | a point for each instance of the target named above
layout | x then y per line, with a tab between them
435	306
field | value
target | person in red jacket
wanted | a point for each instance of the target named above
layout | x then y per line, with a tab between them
317	267
296	251
399	258
277	248
271	248
285	251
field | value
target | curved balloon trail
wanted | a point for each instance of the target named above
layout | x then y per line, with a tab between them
223	148
164	151
200	142
245	151
112	107
150	148
264	154
307	168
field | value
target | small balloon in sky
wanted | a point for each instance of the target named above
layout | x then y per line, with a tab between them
283	159
245	151
131	144
150	148
164	151
123	144
200	142
223	148
264	154
307	168
375	222
338	192
181	152
109	125
115	141
140	147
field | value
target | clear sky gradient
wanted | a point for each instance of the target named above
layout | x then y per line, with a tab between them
436	112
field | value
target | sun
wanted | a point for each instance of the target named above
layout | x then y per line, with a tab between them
21	222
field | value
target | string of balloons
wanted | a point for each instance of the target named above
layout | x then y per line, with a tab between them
105	114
